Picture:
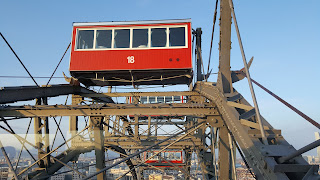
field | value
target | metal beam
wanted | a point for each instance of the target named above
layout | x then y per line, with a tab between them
224	154
41	131
137	94
25	93
109	109
132	145
224	76
97	127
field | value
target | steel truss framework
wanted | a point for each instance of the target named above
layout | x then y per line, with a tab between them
215	121
210	124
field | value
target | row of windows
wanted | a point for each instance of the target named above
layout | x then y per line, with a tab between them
160	99
165	155
131	38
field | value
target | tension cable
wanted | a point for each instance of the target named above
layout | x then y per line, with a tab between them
18	59
213	25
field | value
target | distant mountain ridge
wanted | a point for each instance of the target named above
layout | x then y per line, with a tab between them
10	150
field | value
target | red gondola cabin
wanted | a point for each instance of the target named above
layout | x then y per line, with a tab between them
162	159
137	52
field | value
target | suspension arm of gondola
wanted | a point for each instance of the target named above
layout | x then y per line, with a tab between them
139	152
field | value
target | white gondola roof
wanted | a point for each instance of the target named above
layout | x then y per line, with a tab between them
131	22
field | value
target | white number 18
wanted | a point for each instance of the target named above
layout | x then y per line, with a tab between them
130	59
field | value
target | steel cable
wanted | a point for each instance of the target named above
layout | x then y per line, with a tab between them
19	59
59	63
213	25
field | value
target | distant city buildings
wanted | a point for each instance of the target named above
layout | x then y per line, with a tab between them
86	166
314	159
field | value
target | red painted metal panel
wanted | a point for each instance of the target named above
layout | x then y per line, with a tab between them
116	59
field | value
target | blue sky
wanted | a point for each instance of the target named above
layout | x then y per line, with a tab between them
283	36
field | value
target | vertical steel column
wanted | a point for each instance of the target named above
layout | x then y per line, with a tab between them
233	159
41	131
136	127
225	84
199	56
106	128
189	123
149	126
224	76
224	154
156	128
213	150
97	125
116	125
73	120
188	155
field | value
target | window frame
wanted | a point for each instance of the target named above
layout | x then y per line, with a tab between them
95	38
149	36
76	39
131	37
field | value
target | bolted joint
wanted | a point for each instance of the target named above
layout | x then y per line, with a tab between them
96	121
